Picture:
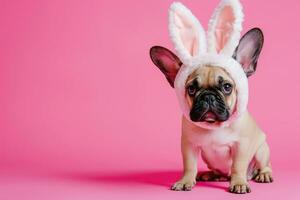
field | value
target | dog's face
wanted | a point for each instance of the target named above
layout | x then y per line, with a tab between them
210	91
211	94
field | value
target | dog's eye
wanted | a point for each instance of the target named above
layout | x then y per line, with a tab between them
227	88
192	90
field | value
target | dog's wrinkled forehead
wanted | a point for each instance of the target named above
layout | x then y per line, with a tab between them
209	76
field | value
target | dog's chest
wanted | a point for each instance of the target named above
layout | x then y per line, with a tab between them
213	138
215	148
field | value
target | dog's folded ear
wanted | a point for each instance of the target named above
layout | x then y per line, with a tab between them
166	61
248	50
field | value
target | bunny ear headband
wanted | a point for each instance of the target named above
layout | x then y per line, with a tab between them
216	48
190	39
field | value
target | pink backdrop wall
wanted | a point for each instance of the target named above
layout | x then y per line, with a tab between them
79	92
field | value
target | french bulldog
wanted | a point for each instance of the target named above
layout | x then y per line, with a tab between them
237	152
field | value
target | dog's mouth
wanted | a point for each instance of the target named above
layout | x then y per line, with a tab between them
209	117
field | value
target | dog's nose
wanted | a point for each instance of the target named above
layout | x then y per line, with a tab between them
210	98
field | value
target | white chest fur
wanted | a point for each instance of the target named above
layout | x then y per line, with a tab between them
215	146
219	137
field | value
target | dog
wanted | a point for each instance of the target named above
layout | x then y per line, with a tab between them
213	97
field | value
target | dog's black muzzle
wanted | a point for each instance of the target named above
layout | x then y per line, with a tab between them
209	103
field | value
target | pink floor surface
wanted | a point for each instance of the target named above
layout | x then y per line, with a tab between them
137	185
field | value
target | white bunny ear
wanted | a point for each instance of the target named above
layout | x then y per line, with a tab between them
225	27
186	32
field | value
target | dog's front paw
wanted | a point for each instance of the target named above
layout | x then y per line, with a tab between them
183	185
239	187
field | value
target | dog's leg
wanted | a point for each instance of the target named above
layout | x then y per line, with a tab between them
190	159
238	181
262	158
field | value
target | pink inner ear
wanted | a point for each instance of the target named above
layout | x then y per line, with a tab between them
188	33
224	27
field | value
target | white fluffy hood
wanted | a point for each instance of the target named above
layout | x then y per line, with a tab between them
196	49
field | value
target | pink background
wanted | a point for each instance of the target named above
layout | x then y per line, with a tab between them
84	112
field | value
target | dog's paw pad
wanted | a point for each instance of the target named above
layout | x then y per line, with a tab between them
211	176
182	186
240	189
265	177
